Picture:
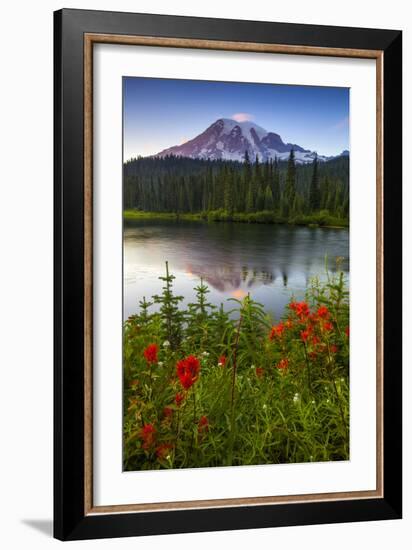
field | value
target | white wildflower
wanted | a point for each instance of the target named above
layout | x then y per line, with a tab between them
205	354
160	363
166	344
265	406
296	398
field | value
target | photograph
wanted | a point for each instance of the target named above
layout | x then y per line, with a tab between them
235	273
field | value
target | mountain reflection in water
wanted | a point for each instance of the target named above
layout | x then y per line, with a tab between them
271	262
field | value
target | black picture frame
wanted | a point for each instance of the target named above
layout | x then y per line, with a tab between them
70	520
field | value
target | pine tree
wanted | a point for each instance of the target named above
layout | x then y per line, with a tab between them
268	204
198	315
260	199
249	198
290	186
181	185
171	317
276	185
144	317
314	192
228	191
247	169
325	187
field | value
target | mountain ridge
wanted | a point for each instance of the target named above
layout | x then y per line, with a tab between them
228	139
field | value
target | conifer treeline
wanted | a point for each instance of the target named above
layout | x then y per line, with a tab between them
184	185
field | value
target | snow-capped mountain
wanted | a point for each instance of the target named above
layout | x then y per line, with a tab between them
228	139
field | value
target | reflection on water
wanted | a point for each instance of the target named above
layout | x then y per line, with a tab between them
270	262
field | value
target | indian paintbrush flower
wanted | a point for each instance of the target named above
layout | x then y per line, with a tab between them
300	308
327	325
188	371
277	331
203	424
222	361
179	398
259	372
162	451
283	364
304	334
150	353
148	436
323	312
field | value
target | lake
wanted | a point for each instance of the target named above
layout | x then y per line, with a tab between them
271	262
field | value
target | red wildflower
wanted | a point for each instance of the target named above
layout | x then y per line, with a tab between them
312	318
203	424
283	364
302	309
289	323
188	371
163	450
150	353
323	312
179	398
327	325
167	412
148	435
313	354
222	361
277	331
347	331
259	372
304	334
333	348
315	340
293	305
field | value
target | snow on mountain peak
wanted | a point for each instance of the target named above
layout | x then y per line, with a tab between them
229	139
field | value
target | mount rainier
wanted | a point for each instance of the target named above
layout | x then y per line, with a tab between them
228	139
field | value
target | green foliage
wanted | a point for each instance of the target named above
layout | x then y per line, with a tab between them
170	315
314	192
290	186
175	186
197	317
263	395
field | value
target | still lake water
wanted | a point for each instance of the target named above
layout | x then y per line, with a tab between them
271	262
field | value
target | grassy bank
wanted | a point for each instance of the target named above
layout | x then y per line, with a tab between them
202	388
321	219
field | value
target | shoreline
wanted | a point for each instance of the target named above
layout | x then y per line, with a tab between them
264	217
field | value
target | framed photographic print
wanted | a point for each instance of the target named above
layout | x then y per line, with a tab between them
227	274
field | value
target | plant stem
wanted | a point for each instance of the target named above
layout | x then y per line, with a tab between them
194	419
308	367
330	361
232	400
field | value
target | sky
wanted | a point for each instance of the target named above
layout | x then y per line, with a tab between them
160	113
